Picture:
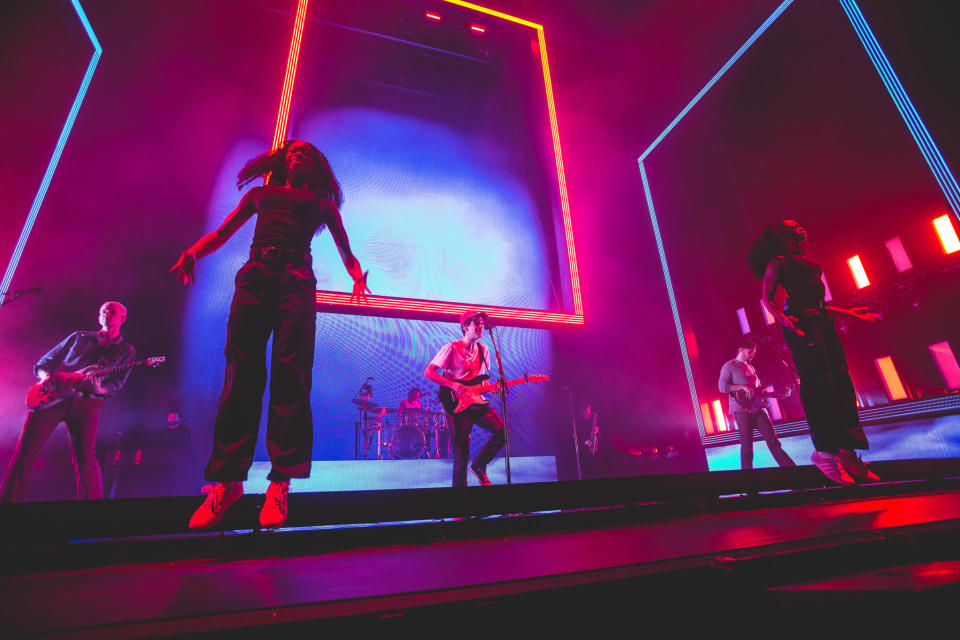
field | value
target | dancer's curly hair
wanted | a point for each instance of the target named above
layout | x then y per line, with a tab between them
272	164
771	242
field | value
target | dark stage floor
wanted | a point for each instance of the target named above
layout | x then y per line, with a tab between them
623	561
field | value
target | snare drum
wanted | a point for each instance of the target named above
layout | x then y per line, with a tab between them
407	442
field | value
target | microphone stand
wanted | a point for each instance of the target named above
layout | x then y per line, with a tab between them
576	440
503	402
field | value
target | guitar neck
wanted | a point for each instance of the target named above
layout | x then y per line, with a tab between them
490	386
117	369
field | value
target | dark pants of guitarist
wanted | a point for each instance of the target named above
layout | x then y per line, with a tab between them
759	420
81	416
485	418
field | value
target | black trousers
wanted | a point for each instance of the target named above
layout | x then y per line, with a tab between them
826	390
277	298
81	415
759	420
486	418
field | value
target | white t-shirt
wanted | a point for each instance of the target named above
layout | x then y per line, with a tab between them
460	363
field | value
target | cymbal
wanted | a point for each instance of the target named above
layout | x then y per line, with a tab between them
364	402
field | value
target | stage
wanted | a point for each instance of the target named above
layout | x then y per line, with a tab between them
666	537
650	222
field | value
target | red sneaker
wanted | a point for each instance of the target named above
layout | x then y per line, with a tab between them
219	497
856	467
829	464
274	511
481	474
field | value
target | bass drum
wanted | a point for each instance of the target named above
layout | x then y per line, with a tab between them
407	443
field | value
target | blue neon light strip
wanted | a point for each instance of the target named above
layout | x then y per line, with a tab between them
948	184
673	301
736	56
55	158
653	215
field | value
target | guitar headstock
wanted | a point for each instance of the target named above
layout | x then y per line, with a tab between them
155	362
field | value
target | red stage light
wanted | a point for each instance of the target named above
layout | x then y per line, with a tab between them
827	296
286	93
899	254
947	363
707	420
891	379
859	273
477	28
433	16
721	419
767	316
947	234
744	323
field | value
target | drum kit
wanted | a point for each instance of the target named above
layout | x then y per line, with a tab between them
415	433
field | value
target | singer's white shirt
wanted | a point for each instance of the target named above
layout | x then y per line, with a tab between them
460	363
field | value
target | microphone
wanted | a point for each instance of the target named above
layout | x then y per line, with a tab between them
566	388
370	378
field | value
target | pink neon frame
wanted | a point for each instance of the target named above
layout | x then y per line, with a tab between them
336	302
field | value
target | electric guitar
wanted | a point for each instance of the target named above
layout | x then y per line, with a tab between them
454	403
49	392
759	399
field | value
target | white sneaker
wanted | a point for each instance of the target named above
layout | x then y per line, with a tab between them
219	497
829	464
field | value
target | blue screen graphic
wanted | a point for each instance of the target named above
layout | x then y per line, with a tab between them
433	212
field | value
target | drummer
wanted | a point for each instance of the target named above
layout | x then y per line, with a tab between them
410	404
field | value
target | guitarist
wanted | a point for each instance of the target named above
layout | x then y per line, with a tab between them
80	412
463	360
738	375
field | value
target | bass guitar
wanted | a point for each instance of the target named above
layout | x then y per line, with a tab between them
49	392
454	403
759	399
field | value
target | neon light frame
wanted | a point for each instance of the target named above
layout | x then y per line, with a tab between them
931	153
337	302
57	152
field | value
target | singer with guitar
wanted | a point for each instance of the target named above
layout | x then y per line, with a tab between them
739	379
462	361
61	369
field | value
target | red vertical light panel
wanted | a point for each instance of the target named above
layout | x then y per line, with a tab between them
859	273
707	420
744	323
767	316
947	363
947	234
718	414
827	296
899	255
891	379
